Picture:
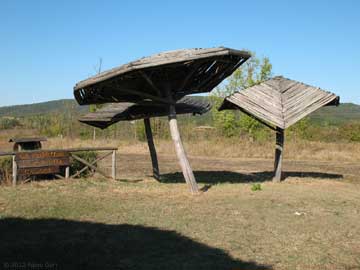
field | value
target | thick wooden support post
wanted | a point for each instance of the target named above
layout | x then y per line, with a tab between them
14	171
67	172
152	149
278	154
113	167
180	151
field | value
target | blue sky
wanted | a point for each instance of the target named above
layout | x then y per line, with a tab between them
47	46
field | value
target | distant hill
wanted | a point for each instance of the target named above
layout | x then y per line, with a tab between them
328	115
346	112
54	106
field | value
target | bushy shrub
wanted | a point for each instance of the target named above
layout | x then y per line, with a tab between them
76	165
253	128
256	187
5	170
301	130
140	130
351	132
224	121
9	123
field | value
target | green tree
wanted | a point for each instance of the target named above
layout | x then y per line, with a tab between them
301	130
252	72
9	123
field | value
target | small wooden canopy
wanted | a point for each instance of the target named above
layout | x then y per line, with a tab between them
279	101
180	72
115	112
27	143
26	140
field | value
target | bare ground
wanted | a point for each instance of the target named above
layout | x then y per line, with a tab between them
222	170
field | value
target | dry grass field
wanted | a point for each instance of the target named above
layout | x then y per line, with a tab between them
309	221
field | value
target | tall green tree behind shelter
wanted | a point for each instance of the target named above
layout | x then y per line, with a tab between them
253	72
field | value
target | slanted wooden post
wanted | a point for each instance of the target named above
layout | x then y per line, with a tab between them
152	149
180	151
14	171
278	154
113	167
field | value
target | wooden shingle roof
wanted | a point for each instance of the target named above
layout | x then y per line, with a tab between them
279	101
28	139
125	111
181	72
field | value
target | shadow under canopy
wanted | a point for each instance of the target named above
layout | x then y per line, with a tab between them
163	78
279	103
217	177
66	244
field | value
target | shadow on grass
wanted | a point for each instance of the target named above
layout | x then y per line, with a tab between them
215	177
66	244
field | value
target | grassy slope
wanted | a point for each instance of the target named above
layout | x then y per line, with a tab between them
346	112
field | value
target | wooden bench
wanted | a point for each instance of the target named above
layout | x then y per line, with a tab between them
41	162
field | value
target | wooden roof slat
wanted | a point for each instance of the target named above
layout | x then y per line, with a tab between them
183	72
279	101
115	112
28	139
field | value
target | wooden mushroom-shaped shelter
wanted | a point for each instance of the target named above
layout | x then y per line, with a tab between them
163	78
115	112
279	103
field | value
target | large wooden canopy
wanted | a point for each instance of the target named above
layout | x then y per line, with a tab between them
163	78
176	73
279	103
125	111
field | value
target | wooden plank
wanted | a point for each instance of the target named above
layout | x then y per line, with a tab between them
70	150
36	163
92	163
139	93
89	149
166	58
39	171
41	155
150	82
89	165
280	101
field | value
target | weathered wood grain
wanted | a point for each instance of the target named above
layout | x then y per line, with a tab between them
188	71
125	111
28	171
279	101
152	149
180	151
279	149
